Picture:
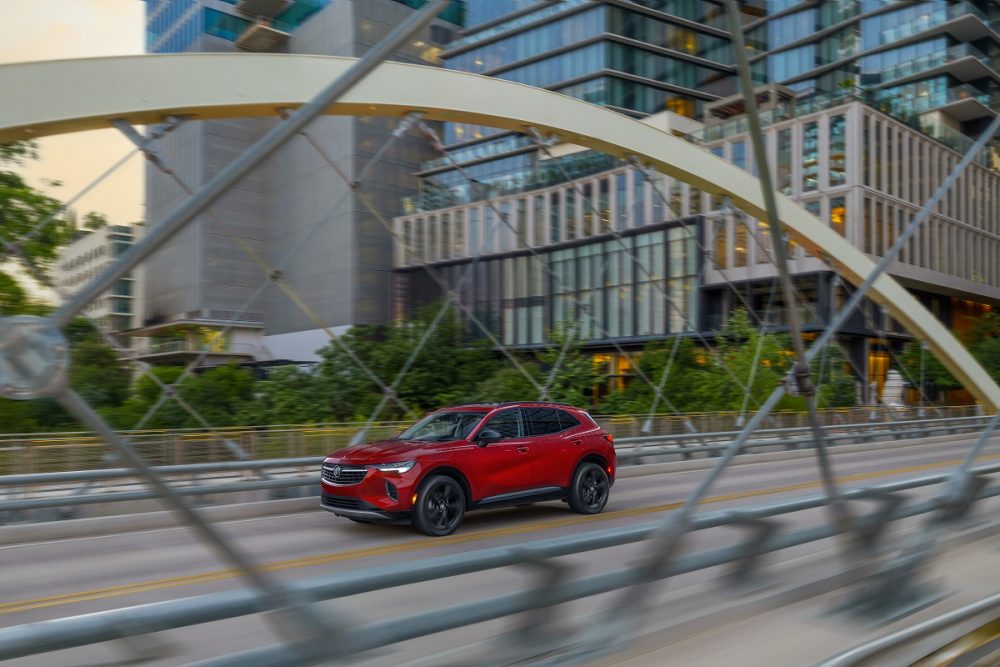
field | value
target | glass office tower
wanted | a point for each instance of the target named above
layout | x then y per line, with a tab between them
638	58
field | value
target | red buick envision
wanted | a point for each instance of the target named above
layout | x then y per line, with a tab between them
471	457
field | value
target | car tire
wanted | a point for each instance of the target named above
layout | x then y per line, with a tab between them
588	493
440	506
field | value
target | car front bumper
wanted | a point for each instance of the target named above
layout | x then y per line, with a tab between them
362	511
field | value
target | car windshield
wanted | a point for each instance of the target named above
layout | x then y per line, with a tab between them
442	426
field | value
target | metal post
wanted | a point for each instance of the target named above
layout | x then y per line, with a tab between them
801	372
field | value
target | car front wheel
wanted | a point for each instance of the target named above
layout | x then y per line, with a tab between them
589	492
440	506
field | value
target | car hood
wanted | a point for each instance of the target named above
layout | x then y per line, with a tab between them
389	451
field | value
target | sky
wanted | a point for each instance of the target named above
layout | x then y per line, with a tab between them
57	29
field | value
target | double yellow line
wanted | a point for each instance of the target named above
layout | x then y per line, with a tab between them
424	544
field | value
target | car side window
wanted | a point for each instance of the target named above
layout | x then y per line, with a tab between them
542	421
566	420
506	423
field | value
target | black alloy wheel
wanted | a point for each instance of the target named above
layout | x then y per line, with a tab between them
440	506
589	491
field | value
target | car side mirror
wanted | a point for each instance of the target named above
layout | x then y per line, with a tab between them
488	435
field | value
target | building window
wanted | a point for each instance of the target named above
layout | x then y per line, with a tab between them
539	220
638	199
569	197
720	249
879	246
522	222
739	244
681	284
681	106
785	161
838	215
554	235
618	293
838	149
810	156
763	242
621	201
650	288
432	237
590	313
458	235
739	154
475	245
419	251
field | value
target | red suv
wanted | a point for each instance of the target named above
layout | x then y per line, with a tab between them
470	457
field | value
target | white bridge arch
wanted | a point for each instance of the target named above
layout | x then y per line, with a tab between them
54	97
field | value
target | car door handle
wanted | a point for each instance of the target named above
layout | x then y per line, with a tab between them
522	450
578	441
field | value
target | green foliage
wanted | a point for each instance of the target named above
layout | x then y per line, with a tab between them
449	369
288	396
22	207
94	221
699	381
576	376
934	370
835	386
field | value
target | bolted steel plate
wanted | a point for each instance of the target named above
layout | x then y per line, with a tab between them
33	358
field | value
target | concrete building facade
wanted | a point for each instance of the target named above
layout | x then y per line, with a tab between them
293	211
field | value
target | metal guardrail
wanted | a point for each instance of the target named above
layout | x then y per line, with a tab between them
72	632
631	451
859	655
22	453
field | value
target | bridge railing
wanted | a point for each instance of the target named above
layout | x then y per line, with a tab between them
71	490
24	640
28	453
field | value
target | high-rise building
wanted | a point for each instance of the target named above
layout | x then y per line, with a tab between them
639	58
293	209
866	106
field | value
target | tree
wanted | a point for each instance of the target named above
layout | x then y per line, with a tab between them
23	208
680	389
94	221
288	396
575	374
448	369
934	374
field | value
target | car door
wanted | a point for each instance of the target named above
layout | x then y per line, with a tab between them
505	466
554	446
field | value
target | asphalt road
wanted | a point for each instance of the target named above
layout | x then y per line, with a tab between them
46	580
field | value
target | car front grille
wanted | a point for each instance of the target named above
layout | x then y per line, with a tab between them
342	475
340	502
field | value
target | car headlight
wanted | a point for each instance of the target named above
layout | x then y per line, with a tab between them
399	467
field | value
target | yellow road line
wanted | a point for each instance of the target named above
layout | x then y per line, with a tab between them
423	544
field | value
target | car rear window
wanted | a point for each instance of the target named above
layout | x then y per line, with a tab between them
543	421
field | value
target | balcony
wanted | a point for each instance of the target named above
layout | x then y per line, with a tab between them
962	20
185	351
962	61
967	103
263	35
270	8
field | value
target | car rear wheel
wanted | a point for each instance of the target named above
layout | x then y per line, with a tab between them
588	493
440	506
